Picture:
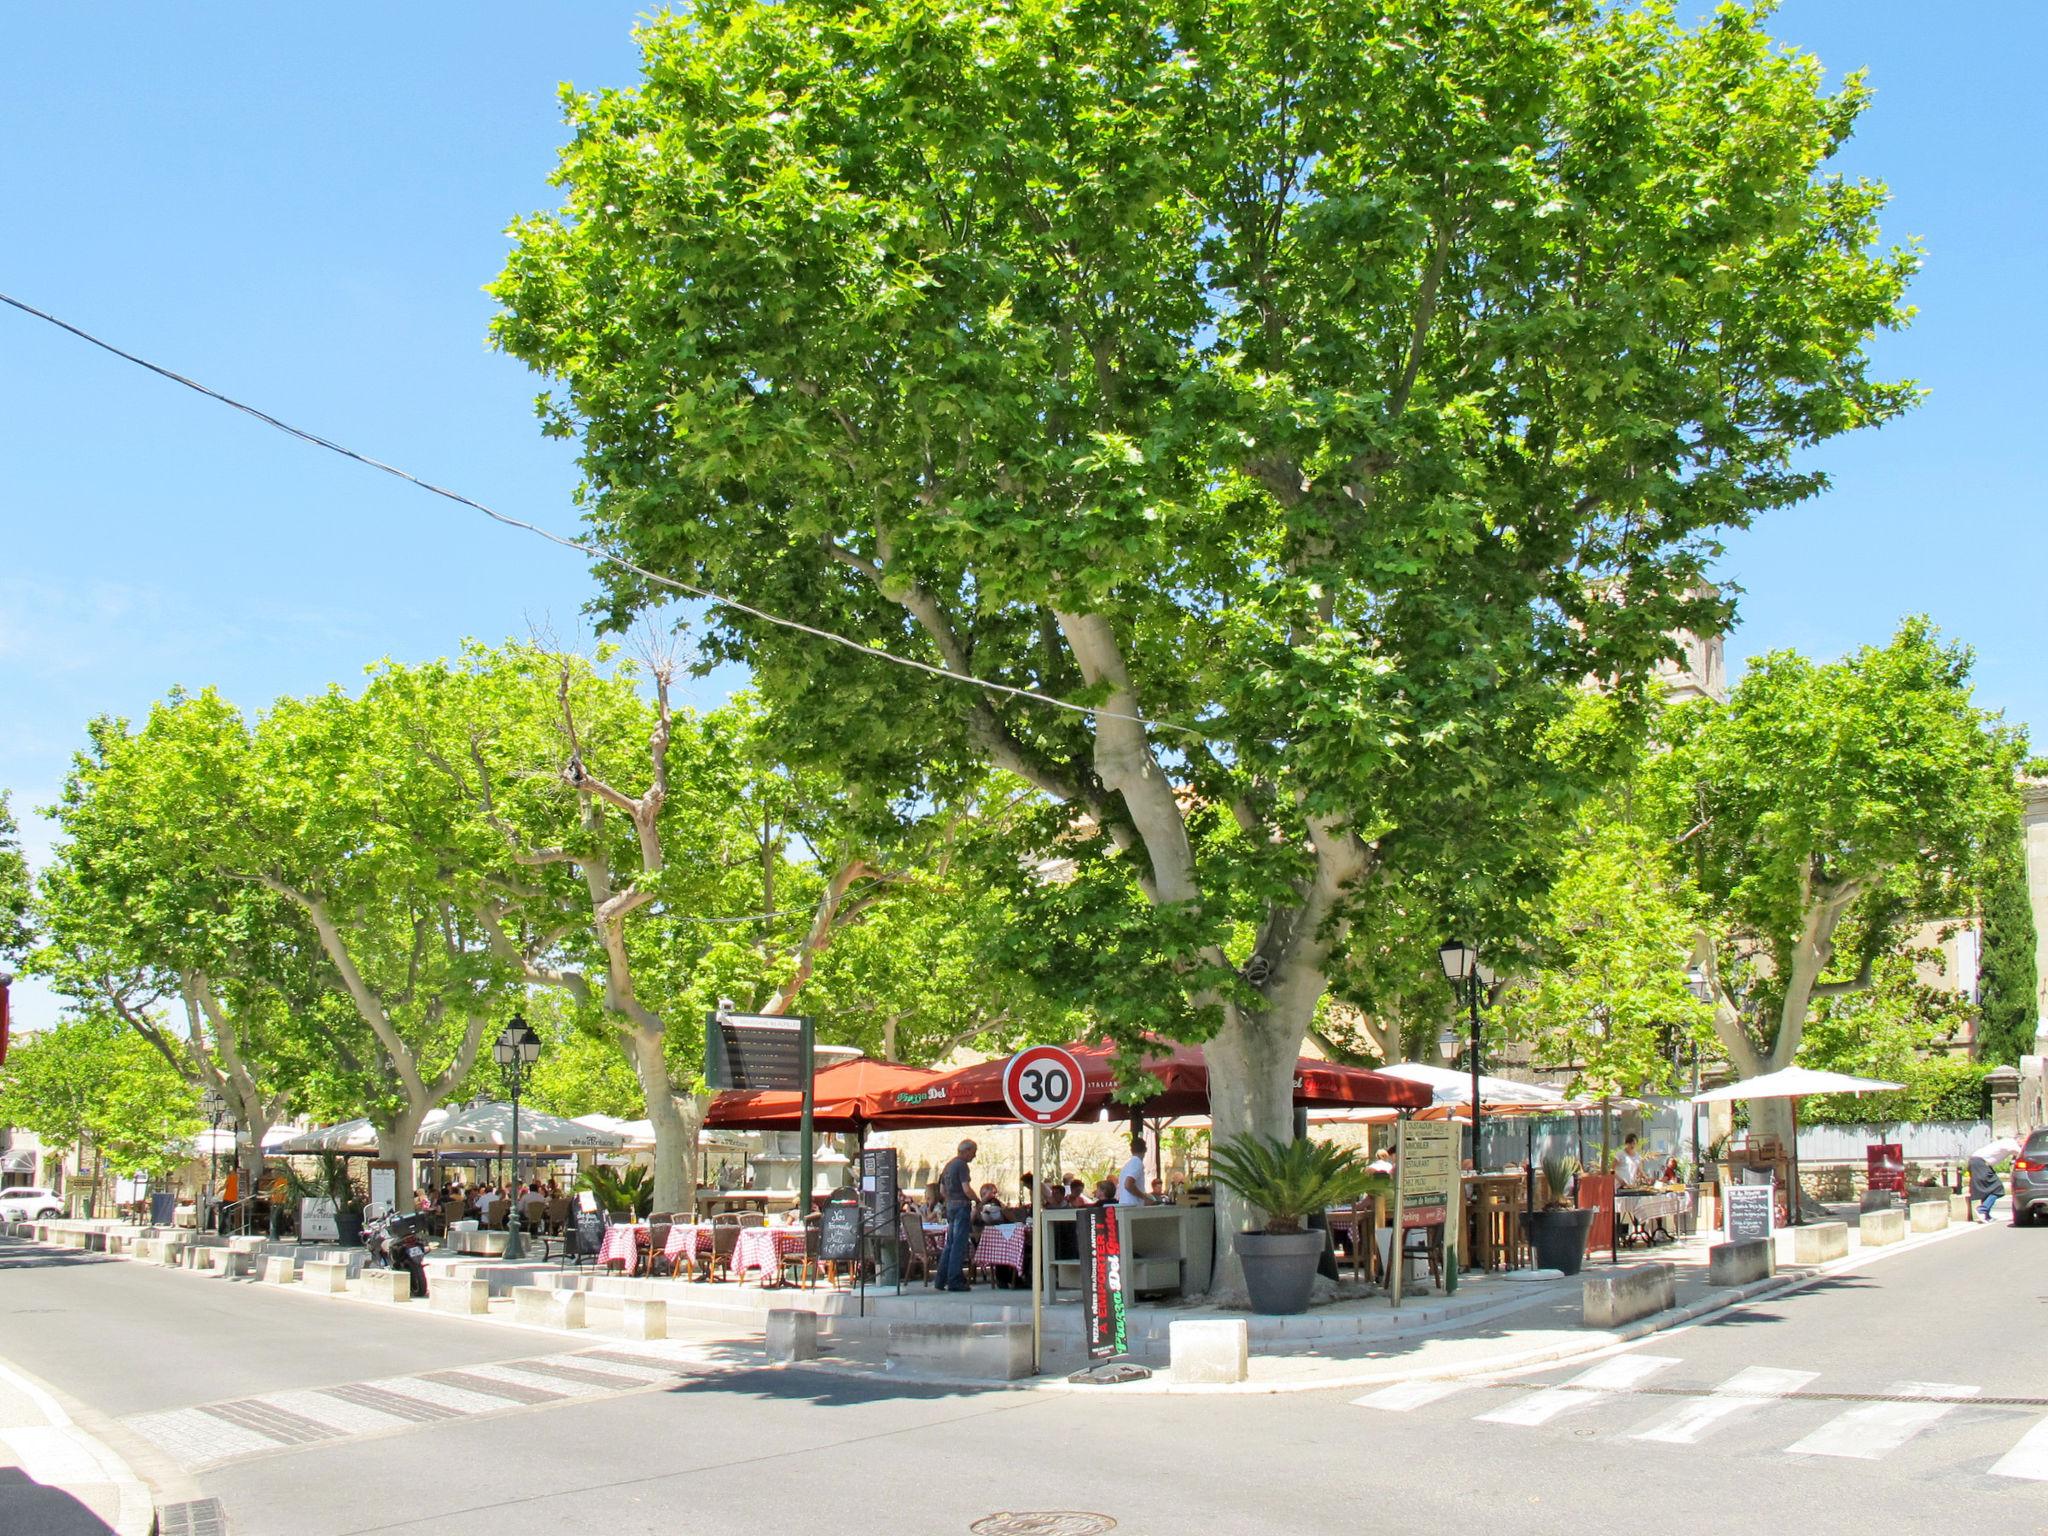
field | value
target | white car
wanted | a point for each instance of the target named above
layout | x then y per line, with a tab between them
29	1205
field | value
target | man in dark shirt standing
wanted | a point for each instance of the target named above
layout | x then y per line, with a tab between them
956	1184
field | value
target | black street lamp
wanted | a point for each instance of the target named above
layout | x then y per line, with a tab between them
215	1108
516	1049
1465	972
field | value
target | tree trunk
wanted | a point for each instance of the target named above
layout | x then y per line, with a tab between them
691	1108
1251	1092
675	1137
395	1139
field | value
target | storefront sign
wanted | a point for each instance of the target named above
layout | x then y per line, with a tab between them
1429	1172
317	1223
1100	1244
1750	1210
1885	1162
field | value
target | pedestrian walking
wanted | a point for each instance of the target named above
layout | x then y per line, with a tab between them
956	1185
1985	1184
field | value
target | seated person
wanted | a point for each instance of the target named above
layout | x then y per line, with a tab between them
1159	1195
1105	1191
1077	1192
934	1203
1055	1196
988	1206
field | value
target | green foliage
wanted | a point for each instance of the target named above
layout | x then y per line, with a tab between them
1936	1088
16	933
622	1191
1827	808
1559	1169
1884	1029
2008	996
89	1079
330	1179
1291	1180
1610	994
1352	380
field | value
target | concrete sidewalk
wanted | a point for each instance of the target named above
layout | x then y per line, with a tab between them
55	1478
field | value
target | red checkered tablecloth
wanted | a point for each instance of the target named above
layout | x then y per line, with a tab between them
1002	1244
623	1244
764	1248
688	1243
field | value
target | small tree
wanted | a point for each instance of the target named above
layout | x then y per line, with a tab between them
1824	803
2008	996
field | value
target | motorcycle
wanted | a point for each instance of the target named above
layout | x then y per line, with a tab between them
394	1242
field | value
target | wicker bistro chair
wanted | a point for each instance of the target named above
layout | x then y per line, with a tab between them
657	1239
725	1236
807	1264
500	1209
452	1211
751	1219
917	1248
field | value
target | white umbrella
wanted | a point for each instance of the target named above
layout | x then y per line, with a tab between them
356	1136
226	1143
1794	1083
490	1125
1448	1086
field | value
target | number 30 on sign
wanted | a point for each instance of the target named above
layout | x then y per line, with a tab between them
1043	1085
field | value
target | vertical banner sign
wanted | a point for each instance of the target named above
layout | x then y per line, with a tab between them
1103	1324
1430	1171
878	1188
1885	1162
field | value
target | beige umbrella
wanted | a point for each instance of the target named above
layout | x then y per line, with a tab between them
1794	1084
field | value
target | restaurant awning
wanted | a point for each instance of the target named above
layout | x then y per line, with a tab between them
845	1096
974	1095
489	1126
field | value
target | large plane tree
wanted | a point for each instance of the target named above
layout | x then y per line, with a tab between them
1318	392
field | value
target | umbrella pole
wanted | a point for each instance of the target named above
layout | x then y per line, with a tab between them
1792	1194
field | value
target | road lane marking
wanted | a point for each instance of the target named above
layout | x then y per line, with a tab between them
2028	1459
1597	1385
1748	1389
1874	1430
1406	1396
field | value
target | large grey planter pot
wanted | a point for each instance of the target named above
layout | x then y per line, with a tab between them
1559	1238
1279	1269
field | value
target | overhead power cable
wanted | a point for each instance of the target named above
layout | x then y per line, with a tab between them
593	550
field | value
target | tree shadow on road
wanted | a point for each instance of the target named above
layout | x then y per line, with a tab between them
29	1506
49	1258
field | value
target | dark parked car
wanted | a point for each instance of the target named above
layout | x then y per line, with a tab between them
2029	1181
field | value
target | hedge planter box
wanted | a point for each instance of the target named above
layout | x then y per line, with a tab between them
1559	1238
1279	1269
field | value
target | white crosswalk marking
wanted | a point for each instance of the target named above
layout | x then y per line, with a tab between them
2028	1459
1582	1391
1746	1390
1405	1396
1873	1430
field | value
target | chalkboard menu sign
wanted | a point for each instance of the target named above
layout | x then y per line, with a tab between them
1103	1324
589	1233
839	1232
1749	1210
752	1051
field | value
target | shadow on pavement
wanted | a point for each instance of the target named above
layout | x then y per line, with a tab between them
742	1374
27	1506
17	1256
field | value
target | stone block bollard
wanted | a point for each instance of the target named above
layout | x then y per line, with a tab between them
328	1277
991	1351
1928	1215
642	1318
540	1307
1741	1263
1616	1296
392	1285
466	1298
1817	1242
1960	1211
1878	1229
281	1270
792	1334
1208	1352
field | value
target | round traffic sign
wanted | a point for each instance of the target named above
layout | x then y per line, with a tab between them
1042	1085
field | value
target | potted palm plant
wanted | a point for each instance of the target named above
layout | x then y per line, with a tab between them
1558	1232
1289	1181
624	1193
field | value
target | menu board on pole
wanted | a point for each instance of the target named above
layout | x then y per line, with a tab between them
878	1187
1750	1208
1103	1325
1429	1172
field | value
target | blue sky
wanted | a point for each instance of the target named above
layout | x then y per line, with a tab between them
300	205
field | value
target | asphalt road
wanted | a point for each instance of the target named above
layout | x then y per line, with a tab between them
1910	1397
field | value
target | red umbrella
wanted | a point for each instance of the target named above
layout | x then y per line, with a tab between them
844	1097
974	1095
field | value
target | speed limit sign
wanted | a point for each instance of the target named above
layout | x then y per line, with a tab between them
1043	1085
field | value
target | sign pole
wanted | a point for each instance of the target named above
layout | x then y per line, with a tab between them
1037	1250
806	1043
1400	1211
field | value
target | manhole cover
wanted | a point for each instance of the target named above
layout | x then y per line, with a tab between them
1042	1522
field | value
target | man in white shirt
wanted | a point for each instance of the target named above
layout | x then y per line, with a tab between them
1130	1184
1628	1167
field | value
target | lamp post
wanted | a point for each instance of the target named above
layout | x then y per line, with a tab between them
214	1107
1696	982
516	1049
1464	971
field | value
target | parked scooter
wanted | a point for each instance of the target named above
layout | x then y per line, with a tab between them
394	1242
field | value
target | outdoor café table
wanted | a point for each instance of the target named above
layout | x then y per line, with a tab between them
1002	1244
1647	1213
621	1242
688	1243
764	1248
